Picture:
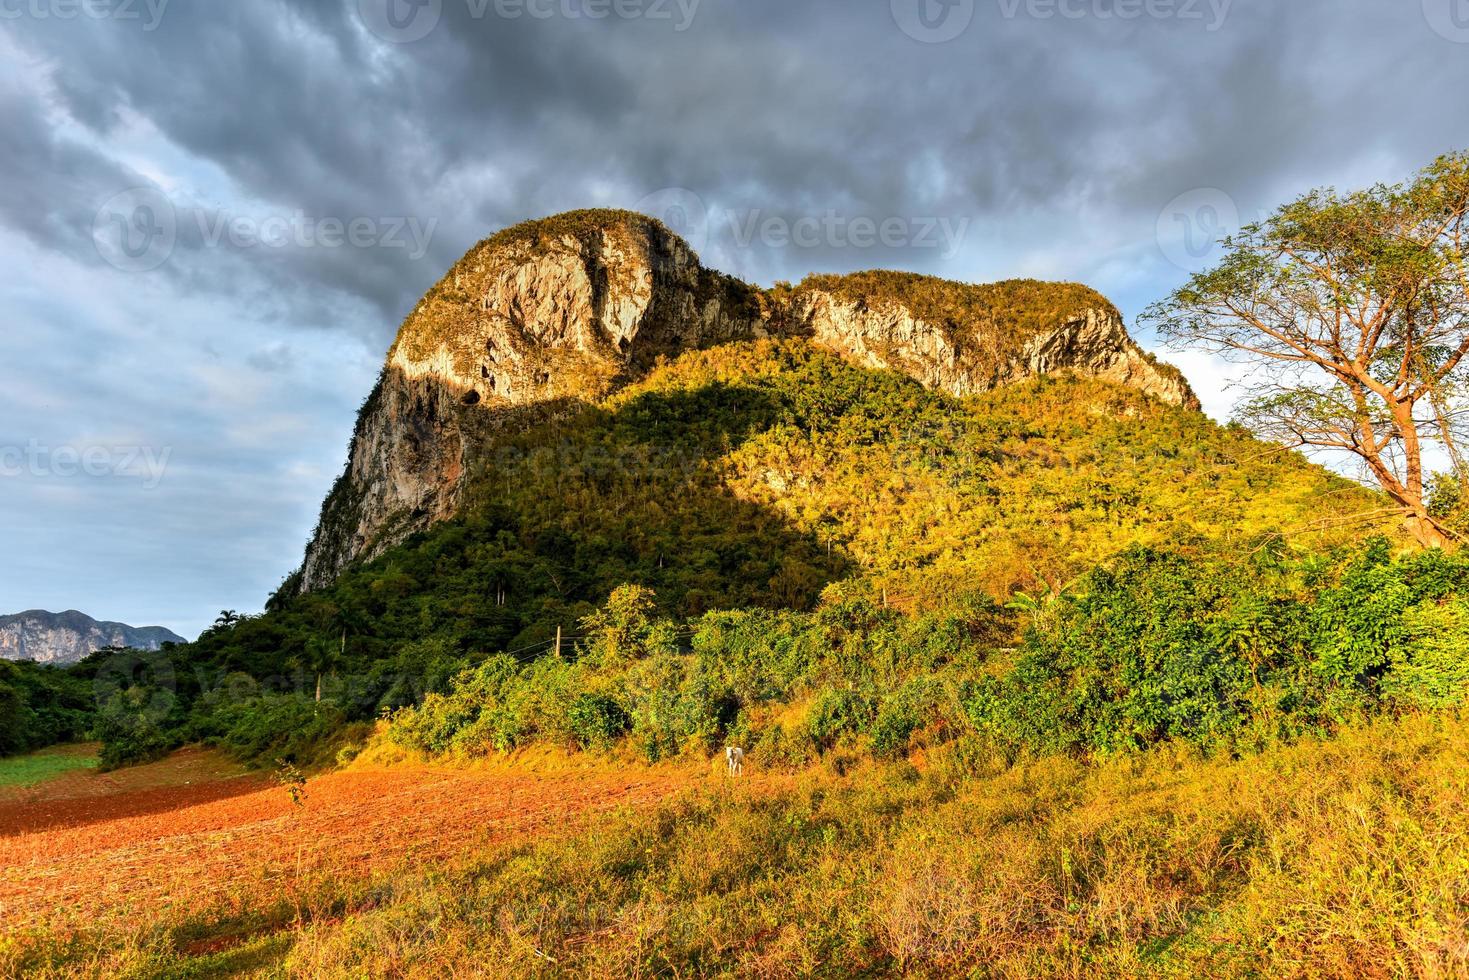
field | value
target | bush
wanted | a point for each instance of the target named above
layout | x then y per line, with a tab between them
838	713
137	724
41	705
1159	646
290	727
1431	669
596	721
893	729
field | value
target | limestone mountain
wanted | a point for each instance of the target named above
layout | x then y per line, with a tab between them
66	637
561	312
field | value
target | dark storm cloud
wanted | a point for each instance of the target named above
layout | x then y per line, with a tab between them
243	323
759	108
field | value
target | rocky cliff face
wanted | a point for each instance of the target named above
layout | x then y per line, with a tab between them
562	311
967	339
65	638
555	310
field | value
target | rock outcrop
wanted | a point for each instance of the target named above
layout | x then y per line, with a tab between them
967	339
65	638
544	312
560	312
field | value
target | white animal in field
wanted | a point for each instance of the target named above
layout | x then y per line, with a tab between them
735	759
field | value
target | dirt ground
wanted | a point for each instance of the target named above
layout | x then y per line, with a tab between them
193	829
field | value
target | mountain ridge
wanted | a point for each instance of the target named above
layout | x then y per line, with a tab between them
71	635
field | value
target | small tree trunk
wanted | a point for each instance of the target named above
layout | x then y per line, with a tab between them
318	687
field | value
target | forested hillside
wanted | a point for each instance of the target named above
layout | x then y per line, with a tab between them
766	481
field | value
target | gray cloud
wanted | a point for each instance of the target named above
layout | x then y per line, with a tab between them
1057	140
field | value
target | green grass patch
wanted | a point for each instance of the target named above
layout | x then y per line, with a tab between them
28	770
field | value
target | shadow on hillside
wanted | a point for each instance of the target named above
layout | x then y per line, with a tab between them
34	816
638	494
567	501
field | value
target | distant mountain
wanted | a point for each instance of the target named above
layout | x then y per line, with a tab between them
65	638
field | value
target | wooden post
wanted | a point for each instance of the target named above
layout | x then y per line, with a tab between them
558	642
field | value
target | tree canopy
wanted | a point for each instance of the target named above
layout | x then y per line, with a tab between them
1354	309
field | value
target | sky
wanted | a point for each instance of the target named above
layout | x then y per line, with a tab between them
213	216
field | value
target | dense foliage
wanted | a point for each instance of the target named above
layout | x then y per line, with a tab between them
739	482
41	705
1152	647
670	687
1157	646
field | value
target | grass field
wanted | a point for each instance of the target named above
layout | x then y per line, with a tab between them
38	767
1348	857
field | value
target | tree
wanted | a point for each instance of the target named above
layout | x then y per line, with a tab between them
327	647
322	655
1354	310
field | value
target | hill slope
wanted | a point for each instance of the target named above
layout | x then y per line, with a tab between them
773	477
754	475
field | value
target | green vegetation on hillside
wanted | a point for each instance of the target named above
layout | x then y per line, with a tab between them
42	705
1154	647
749	480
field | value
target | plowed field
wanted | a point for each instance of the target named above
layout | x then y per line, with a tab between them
143	850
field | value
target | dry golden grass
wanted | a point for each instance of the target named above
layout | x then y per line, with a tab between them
1340	858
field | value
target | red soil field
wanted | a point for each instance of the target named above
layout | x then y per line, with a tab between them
143	851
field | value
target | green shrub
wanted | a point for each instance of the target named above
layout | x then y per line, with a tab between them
893	729
1431	668
291	727
838	713
596	720
137	724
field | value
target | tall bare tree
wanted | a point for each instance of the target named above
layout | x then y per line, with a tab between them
1353	311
